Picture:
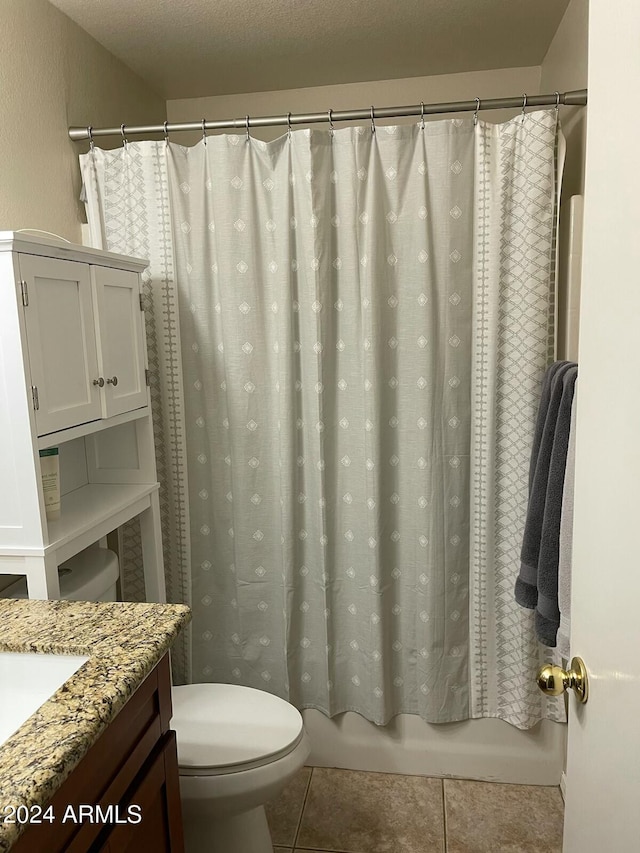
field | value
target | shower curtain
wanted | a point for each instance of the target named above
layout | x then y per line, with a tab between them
347	333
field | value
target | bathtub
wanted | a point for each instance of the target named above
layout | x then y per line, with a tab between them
486	749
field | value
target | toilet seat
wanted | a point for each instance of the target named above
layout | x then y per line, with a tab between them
226	728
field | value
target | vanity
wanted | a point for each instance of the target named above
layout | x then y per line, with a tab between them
94	768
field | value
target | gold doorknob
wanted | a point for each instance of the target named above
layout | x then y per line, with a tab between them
554	680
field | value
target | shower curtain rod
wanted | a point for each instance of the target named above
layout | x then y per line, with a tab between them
576	98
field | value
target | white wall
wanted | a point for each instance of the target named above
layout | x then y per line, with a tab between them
565	68
445	87
53	74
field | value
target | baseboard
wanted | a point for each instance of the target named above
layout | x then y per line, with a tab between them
563	785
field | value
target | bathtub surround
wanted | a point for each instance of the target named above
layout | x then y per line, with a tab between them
487	749
326	306
566	539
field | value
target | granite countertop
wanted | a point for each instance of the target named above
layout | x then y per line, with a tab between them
123	641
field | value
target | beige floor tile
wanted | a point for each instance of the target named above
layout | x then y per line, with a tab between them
282	850
358	812
283	813
487	817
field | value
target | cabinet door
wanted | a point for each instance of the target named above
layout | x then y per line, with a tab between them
62	342
120	339
156	797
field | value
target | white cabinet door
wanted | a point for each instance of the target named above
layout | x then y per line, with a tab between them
120	339
61	341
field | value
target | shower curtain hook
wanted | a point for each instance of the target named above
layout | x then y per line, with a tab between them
422	115
524	105
166	132
124	138
289	126
90	135
246	123
204	132
475	115
331	127
557	101
373	124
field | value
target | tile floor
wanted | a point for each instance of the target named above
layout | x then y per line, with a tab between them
347	811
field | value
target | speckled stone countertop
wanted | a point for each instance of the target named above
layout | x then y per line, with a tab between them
123	641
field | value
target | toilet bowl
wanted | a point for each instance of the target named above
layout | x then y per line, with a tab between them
237	749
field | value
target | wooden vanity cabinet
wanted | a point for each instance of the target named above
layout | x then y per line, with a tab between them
133	763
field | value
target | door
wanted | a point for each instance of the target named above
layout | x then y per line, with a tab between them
120	339
61	341
603	764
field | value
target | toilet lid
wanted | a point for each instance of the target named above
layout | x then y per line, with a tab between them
226	726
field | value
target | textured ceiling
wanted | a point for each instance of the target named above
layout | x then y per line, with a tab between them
193	48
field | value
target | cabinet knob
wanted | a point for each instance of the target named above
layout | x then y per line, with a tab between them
112	381
99	382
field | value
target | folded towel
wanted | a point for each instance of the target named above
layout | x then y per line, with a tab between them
547	611
551	394
543	407
566	541
537	584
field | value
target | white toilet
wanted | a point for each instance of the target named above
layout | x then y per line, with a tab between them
237	749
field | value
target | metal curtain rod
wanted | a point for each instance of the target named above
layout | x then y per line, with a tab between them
577	98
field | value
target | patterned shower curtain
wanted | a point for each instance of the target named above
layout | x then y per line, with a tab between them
348	333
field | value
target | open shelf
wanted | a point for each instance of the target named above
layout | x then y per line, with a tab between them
93	507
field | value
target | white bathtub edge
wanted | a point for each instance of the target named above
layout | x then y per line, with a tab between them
487	750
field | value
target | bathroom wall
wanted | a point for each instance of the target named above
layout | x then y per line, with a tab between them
445	87
54	74
565	68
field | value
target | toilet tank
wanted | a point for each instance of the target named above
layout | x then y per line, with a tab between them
90	575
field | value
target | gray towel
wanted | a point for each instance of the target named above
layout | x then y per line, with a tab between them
543	408
537	584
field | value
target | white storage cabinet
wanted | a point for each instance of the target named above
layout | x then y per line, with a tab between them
73	375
